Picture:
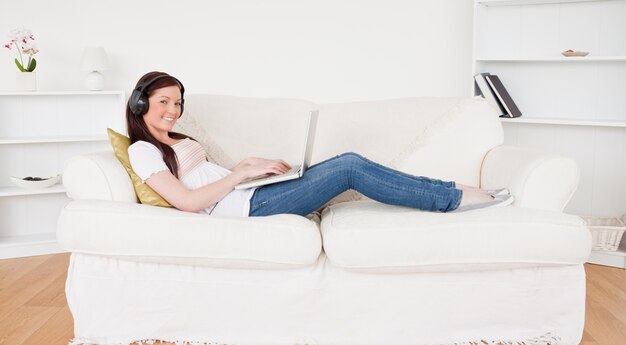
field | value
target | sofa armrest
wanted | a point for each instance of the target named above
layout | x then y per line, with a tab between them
98	176
537	180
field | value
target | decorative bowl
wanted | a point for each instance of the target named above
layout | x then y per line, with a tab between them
35	182
570	52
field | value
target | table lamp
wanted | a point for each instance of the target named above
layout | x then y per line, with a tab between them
94	59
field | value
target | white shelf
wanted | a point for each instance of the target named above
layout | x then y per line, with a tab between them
554	59
59	93
564	122
40	131
17	191
29	245
529	2
52	139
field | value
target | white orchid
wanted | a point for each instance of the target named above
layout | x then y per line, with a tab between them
24	42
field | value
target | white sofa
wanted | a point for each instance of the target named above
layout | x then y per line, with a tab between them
367	273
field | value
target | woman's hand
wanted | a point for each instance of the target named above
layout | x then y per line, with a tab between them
253	167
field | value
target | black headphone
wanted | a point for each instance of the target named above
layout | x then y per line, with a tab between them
138	101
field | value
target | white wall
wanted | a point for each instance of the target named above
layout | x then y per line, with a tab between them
322	50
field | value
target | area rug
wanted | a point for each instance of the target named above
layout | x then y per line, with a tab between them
546	339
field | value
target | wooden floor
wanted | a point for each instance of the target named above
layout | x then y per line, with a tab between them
33	309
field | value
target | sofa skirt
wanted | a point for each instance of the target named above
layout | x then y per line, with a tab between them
116	301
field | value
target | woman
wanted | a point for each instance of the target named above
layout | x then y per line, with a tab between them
175	166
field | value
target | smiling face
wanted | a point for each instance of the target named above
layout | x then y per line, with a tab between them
163	111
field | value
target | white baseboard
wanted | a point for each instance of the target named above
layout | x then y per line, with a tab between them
613	259
29	245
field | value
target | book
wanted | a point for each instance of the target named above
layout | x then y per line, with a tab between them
483	89
503	96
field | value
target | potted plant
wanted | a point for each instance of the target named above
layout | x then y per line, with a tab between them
23	41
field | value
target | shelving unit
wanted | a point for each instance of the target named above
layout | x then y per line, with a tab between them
582	59
522	41
40	131
16	191
43	140
529	2
564	122
571	106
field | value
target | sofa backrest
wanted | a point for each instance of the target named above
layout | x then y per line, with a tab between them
233	128
439	137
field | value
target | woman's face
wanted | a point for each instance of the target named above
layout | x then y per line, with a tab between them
164	109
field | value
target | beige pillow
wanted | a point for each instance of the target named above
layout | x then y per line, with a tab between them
187	125
145	194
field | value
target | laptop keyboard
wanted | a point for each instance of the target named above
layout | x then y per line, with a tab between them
270	176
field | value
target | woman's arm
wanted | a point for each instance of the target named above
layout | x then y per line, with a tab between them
172	190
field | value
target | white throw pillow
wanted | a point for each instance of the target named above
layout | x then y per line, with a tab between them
453	147
187	124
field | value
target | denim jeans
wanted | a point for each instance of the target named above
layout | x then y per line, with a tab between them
325	180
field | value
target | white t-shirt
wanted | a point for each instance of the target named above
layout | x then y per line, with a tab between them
194	171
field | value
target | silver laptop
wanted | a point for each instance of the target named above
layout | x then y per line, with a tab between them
296	171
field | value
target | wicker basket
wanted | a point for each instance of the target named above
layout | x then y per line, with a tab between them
606	233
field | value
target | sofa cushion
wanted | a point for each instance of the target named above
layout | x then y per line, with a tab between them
424	136
453	147
146	195
188	125
247	126
367	235
165	235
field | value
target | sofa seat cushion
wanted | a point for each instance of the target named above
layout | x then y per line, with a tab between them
155	234
370	236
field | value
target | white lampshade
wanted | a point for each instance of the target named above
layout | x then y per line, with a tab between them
94	59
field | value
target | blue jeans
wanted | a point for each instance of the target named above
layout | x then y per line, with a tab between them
325	180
